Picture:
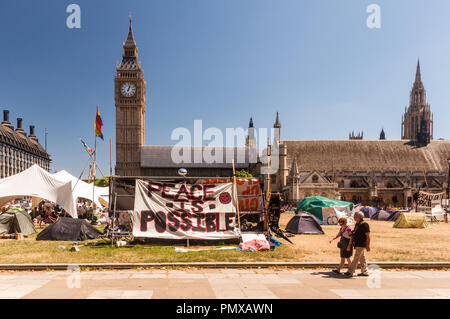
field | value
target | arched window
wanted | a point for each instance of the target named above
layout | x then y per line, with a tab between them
315	179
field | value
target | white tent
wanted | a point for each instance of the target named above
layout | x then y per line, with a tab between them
84	190
38	184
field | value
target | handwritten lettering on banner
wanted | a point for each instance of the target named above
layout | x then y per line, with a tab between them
177	211
248	192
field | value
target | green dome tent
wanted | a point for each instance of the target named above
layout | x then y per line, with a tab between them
314	205
16	220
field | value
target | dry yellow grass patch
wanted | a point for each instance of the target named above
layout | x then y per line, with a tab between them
388	244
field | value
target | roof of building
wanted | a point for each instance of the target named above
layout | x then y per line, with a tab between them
21	141
161	156
128	64
363	156
130	42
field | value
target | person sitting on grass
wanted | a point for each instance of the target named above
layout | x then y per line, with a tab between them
49	216
344	236
361	240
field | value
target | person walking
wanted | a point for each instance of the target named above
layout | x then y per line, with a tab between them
344	236
361	240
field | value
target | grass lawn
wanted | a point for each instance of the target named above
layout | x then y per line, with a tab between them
388	244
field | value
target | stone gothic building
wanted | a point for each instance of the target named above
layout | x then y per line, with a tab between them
133	157
382	172
19	151
417	122
129	90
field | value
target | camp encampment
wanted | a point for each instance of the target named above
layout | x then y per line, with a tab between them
67	228
38	184
84	190
369	211
381	215
16	220
326	210
304	223
411	220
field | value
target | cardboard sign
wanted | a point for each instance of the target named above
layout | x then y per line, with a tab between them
180	211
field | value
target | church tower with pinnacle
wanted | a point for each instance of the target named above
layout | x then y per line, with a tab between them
129	91
418	119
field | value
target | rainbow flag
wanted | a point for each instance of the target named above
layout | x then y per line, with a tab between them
98	125
88	149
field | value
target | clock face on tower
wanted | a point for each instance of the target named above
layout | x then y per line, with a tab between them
128	89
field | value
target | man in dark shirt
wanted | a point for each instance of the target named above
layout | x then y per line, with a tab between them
361	240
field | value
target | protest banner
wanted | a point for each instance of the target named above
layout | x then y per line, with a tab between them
184	211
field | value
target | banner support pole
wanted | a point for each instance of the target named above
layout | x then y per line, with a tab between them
236	197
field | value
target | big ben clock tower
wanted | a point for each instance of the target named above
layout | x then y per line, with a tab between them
129	90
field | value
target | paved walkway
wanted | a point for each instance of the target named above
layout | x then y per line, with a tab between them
223	283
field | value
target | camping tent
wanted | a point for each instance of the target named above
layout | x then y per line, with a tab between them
16	220
304	223
84	190
411	220
40	185
369	211
394	215
437	212
67	228
381	215
314	205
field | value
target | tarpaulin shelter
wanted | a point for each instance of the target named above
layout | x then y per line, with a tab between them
314	205
304	223
16	220
411	220
84	190
39	185
69	229
381	215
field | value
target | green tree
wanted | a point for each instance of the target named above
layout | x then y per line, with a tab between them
102	182
243	174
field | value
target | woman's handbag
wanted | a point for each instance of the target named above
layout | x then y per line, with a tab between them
340	243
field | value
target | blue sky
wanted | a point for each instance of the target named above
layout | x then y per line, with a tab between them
222	61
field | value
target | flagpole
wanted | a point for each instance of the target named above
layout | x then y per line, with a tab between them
93	168
95	159
46	132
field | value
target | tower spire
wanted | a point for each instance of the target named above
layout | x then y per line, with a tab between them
129	42
418	75
277	122
250	124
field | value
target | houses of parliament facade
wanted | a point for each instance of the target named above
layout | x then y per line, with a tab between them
381	172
